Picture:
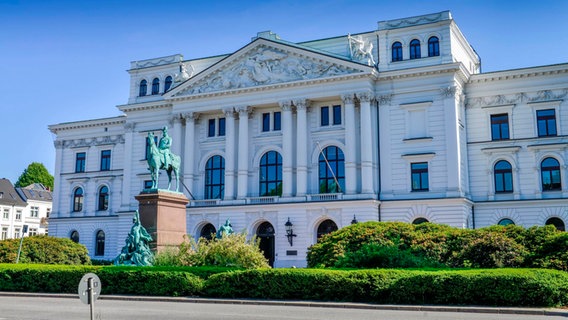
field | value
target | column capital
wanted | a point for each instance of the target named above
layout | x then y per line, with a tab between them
129	126
365	96
447	92
301	104
348	98
384	99
242	110
285	105
190	116
229	112
58	144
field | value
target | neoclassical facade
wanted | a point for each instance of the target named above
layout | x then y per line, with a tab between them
294	140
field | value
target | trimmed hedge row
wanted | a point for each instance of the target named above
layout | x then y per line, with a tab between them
494	287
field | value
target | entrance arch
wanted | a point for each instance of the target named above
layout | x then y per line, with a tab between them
327	226
208	231
265	232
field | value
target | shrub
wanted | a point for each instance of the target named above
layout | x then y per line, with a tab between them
490	250
44	249
230	251
373	255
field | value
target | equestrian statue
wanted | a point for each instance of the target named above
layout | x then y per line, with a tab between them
161	158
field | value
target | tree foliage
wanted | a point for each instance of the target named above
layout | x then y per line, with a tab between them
35	173
44	249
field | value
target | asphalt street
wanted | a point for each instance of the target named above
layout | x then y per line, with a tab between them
126	308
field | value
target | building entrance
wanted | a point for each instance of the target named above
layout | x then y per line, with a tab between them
265	233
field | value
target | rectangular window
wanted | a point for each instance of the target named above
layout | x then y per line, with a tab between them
499	127
277	121
6	214
17	233
32	232
546	122
4	235
80	162
211	130
105	160
34	212
265	122
19	215
419	172
221	127
324	116
336	115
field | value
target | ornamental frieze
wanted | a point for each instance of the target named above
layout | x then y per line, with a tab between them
516	98
93	141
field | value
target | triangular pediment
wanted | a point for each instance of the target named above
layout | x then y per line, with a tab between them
264	63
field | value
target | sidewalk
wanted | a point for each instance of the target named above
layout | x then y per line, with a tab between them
317	304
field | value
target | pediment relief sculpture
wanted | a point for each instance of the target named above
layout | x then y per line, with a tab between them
265	65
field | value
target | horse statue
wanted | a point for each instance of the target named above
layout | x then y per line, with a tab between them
157	160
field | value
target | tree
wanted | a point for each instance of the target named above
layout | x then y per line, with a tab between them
35	173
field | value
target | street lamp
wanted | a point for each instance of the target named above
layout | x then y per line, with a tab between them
354	221
289	231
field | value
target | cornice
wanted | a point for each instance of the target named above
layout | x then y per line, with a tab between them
457	68
154	105
120	120
519	73
519	97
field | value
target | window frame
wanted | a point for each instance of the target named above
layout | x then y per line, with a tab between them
265	168
500	177
414	49
211	167
420	173
143	88
550	172
155	86
105	160
500	126
80	162
433	46
100	243
168	83
326	179
103	198
396	51
549	122
78	199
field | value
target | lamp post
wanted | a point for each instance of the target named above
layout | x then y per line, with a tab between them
289	231
354	221
25	229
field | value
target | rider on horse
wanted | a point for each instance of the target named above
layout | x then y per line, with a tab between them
164	147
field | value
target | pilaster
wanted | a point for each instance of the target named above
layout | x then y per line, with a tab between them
189	151
287	147
301	146
350	144
243	151
367	147
229	153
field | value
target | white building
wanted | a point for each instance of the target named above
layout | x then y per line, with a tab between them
29	206
395	124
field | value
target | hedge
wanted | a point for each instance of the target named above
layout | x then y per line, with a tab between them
491	287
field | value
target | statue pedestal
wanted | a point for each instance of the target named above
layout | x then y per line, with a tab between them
163	214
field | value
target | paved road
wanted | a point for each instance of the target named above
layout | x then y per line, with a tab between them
47	308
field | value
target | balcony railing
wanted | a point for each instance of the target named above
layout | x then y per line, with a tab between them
262	200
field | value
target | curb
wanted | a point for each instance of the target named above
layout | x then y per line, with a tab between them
315	304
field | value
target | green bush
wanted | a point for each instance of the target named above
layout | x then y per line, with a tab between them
389	244
232	250
44	249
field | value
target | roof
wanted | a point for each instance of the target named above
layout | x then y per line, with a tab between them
35	191
8	194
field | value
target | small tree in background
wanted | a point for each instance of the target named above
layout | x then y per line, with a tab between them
35	173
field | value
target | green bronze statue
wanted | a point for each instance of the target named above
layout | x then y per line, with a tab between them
225	229
136	251
161	158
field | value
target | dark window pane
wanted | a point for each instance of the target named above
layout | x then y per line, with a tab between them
265	122
546	122
143	88
221	127
80	162
419	176
550	174
214	177
396	51
100	246
277	125
433	47
324	115
270	174
155	86
105	160
331	170
78	200
103	198
336	114
211	130
414	49
500	127
168	83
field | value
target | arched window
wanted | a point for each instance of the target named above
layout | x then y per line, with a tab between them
326	227
155	86
78	200
420	220
215	178
331	170
168	83
550	172
143	88
74	236
270	175
415	49
503	173
433	47
103	198
208	231
505	222
557	222
396	51
100	245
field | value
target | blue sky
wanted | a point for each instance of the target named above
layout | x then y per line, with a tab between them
64	61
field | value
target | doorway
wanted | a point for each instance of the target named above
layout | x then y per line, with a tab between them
265	232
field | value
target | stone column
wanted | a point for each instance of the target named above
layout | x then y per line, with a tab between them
243	152
176	134
287	149
350	144
189	150
229	153
301	147
366	143
128	165
57	185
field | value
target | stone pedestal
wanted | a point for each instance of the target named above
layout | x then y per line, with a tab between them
163	215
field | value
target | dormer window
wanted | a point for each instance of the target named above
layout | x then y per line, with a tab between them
396	51
155	86
415	49
143	88
168	83
433	47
